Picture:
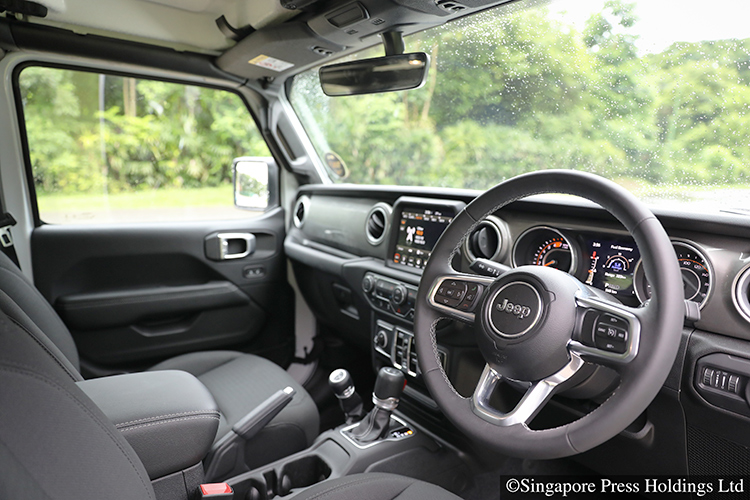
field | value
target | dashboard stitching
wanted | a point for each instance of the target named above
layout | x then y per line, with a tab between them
433	338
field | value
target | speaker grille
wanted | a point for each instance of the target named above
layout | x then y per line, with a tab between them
709	454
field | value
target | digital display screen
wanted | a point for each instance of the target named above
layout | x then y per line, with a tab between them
611	266
418	231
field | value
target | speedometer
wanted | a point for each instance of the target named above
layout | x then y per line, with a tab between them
544	246
695	270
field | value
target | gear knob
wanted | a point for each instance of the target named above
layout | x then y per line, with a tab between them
341	382
388	388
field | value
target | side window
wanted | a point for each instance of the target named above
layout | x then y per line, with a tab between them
109	148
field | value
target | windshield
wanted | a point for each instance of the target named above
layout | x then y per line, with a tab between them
654	95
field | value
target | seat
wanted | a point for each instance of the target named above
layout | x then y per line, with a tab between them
374	486
238	381
56	444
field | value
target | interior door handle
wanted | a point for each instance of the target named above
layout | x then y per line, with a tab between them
226	246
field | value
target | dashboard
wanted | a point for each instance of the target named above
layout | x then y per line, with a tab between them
358	254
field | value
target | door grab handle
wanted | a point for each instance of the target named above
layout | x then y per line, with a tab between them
226	246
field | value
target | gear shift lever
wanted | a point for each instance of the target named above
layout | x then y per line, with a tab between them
343	387
388	388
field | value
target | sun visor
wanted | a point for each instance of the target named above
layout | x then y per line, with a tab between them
274	52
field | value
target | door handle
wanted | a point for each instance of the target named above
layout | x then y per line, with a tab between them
226	246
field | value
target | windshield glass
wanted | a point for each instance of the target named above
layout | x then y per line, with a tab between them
654	95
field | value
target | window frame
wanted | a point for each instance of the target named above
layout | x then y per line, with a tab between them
274	197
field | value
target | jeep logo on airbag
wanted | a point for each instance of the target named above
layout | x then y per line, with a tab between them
515	309
511	308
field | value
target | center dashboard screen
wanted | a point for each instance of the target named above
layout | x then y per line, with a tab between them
418	231
611	267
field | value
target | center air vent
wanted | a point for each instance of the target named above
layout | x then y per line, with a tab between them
488	240
741	292
301	209
377	223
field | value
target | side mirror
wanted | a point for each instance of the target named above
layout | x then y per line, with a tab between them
381	74
255	183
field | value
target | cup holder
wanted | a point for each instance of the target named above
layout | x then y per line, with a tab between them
300	473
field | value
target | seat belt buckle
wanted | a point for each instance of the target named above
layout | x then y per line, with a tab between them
6	240
215	491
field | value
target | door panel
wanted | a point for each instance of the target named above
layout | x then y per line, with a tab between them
138	293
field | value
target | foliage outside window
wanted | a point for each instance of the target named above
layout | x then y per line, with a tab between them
107	148
519	89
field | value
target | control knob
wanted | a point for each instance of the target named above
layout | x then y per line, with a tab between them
381	340
368	283
398	296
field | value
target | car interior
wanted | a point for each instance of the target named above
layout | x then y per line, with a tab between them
261	249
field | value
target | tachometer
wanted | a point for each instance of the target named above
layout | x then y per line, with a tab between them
544	246
696	274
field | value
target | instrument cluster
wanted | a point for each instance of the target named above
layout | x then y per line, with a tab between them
610	263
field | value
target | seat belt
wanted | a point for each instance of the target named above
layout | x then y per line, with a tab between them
6	239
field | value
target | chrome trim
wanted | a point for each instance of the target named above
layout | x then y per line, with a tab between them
698	250
536	396
347	393
740	297
388	404
536	318
634	331
344	432
573	250
466	316
224	238
495	224
387	211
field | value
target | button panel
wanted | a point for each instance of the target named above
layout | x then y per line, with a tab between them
722	380
390	295
403	354
457	294
611	333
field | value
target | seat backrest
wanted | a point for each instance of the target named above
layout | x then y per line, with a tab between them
54	442
33	312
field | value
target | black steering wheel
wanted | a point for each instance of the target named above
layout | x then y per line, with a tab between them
541	326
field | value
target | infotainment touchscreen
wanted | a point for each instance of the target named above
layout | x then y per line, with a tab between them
418	230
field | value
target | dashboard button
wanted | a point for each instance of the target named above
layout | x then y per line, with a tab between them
613	320
610	345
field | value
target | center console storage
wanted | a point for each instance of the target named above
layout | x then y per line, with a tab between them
168	417
335	454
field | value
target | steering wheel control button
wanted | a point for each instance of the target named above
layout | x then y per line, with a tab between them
610	345
515	309
611	333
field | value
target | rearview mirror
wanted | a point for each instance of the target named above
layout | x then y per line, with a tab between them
369	76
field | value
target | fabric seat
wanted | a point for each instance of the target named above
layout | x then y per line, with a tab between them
238	381
56	444
374	486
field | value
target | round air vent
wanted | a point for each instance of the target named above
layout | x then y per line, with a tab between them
301	209
377	223
487	240
741	292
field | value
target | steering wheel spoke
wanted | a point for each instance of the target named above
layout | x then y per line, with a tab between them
608	333
532	401
458	295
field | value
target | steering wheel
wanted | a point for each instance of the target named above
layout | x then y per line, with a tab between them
541	326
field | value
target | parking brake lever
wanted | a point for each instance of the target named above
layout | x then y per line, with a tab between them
244	430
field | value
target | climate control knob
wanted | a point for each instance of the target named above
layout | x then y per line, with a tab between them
398	295
368	283
381	339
